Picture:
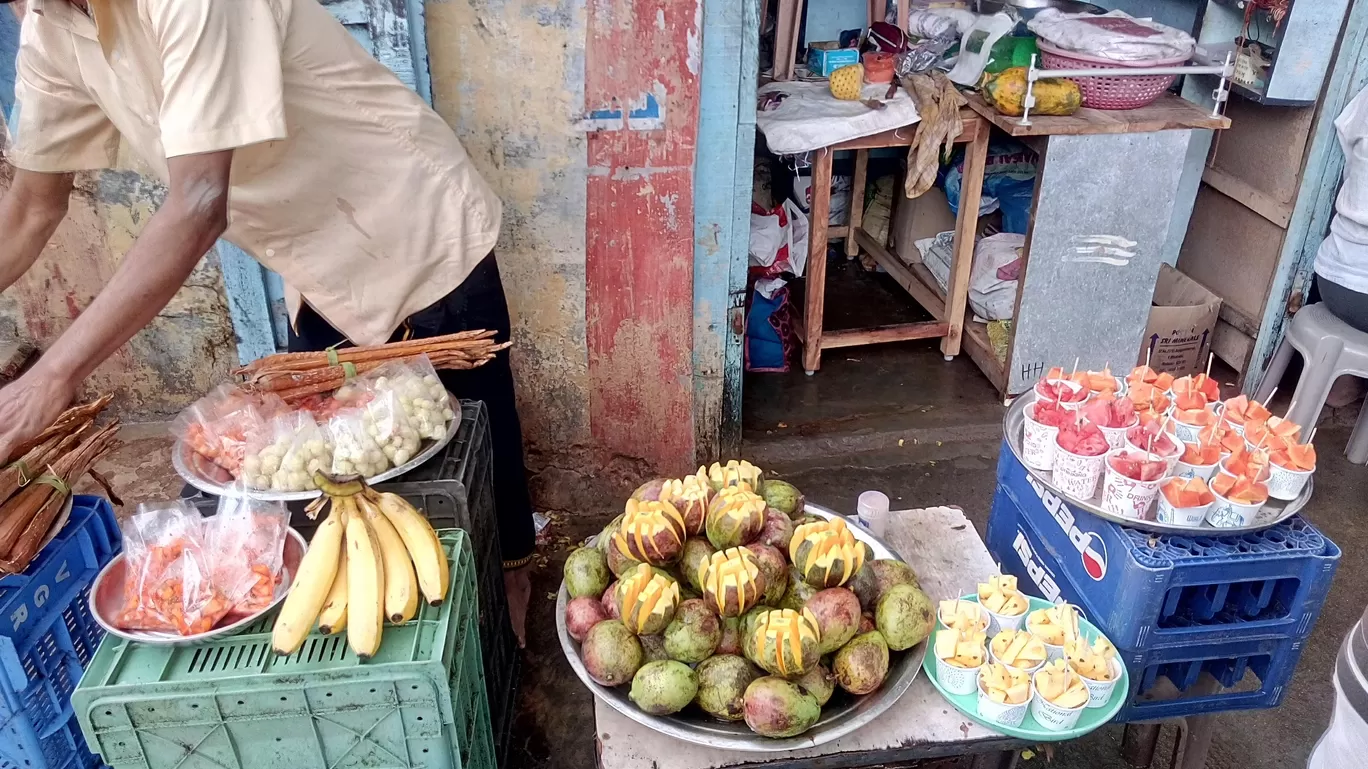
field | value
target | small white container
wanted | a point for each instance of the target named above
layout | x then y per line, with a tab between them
1001	622
1225	514
1050	716
1077	474
1185	432
1000	712
1126	496
1285	483
1181	516
1037	442
1184	470
985	621
1100	692
992	656
1068	383
955	679
1170	459
1263	476
1116	436
871	509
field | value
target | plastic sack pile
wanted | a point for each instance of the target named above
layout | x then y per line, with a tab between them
1115	35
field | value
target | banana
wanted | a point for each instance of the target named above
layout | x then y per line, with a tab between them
312	583
429	559
365	587
333	618
401	586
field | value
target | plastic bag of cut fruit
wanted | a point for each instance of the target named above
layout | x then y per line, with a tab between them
245	543
221	424
168	584
355	449
421	395
384	418
286	457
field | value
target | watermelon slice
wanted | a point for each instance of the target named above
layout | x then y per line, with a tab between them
1062	391
1241	491
1137	466
1150	438
1192	492
1199	416
1249	464
1201	454
1051	414
1297	456
1197	385
1241	409
1110	412
1082	437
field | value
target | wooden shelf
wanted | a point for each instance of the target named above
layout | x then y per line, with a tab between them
1168	113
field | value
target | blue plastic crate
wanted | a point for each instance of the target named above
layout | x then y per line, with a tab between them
47	637
1189	680
1147	590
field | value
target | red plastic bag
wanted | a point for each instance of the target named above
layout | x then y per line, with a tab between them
168	584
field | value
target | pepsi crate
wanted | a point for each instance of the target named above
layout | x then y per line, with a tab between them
1193	679
1146	590
48	638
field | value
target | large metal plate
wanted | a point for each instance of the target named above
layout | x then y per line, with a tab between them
1274	511
212	479
107	599
843	713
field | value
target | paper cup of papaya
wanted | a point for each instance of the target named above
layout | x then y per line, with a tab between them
1247	463
1199	460
1184	501
1238	501
1240	410
1272	434
1190	414
1289	470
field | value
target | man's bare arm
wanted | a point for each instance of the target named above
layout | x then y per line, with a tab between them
175	239
29	213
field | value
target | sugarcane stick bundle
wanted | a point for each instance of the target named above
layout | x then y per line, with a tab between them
22	471
64	425
27	517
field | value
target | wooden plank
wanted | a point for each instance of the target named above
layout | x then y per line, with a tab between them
817	257
857	193
897	332
950	559
966	224
921	292
785	37
1251	197
1168	112
836	233
981	352
904	135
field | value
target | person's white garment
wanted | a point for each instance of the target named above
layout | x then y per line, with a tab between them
1343	255
1346	741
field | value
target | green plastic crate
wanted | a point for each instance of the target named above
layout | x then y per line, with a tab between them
232	703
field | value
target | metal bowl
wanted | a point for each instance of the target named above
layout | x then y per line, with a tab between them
843	713
1274	511
203	474
107	600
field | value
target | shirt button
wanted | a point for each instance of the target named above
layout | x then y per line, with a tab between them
270	252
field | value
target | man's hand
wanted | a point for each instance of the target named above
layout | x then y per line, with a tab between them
175	239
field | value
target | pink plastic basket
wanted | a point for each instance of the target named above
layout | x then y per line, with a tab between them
1119	92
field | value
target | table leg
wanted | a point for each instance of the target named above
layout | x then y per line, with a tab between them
785	38
902	15
1138	744
857	191
966	225
817	258
1194	742
1003	759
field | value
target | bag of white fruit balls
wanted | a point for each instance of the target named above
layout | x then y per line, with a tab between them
421	395
290	452
355	450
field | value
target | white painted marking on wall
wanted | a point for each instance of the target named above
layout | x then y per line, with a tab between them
1113	250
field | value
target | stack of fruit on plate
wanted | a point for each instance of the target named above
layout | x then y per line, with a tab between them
1153	446
731	601
1017	660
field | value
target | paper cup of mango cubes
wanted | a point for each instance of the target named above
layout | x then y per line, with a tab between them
1096	663
959	655
1005	603
1018	649
1004	694
1059	696
1054	627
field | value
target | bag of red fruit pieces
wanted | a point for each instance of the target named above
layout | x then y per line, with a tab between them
168	579
1131	483
1113	415
219	426
1291	467
1042	422
1150	438
245	542
1184	501
1080	450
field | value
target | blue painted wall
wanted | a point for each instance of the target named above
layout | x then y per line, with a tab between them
9	48
826	19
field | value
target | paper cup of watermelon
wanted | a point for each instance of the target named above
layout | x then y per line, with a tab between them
1038	433
1080	453
1113	416
1131	482
1001	713
1184	501
1150	438
1289	470
1067	393
1237	501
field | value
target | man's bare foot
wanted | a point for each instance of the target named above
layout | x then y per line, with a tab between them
518	585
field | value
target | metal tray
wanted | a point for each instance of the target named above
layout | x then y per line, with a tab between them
1274	511
208	477
107	600
843	713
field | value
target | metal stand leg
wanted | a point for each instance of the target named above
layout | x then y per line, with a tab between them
1194	742
1138	744
1004	759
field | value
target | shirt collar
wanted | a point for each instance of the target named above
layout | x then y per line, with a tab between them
67	16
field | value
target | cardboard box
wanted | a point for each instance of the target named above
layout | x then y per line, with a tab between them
1181	324
916	218
827	57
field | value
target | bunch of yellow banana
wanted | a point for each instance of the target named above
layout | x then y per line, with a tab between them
367	563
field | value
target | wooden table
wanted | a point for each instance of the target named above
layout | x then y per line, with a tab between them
950	559
948	309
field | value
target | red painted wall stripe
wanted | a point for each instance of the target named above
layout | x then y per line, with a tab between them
639	233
